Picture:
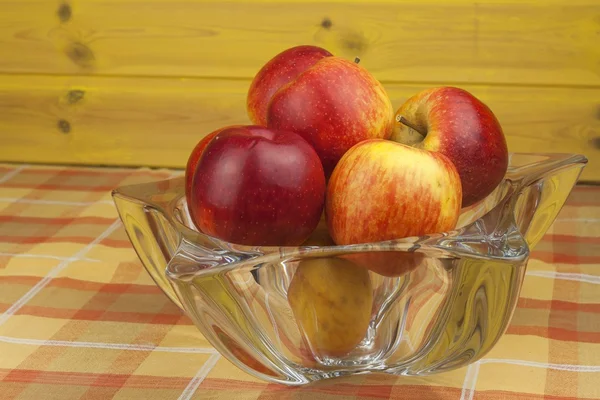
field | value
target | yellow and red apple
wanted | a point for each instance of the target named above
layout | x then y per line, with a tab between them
455	123
383	190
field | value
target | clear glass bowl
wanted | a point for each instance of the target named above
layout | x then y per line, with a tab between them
413	306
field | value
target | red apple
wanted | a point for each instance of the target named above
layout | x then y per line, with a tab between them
455	123
334	104
383	190
258	186
278	72
194	157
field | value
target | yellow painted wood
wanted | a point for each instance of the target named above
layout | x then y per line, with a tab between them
156	122
458	41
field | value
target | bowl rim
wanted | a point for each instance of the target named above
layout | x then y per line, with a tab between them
516	177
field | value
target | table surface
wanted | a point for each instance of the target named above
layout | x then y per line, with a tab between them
82	319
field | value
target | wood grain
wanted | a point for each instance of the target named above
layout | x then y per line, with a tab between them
156	122
517	42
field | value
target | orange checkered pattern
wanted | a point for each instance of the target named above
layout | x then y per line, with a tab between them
81	319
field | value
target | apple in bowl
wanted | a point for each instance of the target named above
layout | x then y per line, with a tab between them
332	102
455	123
194	158
278	72
257	186
383	190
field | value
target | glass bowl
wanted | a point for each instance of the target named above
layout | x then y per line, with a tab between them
413	306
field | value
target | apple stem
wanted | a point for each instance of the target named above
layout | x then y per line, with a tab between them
406	122
356	60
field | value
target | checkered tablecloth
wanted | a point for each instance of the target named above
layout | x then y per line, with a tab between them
81	319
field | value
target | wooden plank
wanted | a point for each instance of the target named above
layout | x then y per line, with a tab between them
458	41
156	122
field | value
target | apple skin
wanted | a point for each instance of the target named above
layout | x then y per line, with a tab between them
194	157
259	187
334	105
278	72
382	190
462	128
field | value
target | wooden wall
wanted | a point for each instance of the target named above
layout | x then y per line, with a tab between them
139	82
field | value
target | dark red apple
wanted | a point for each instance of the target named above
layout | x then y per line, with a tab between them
194	157
257	186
